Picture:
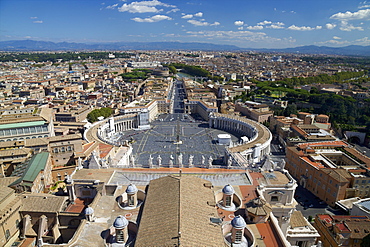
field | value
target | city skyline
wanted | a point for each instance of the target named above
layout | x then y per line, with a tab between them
256	24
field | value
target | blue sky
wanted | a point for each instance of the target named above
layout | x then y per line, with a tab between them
244	23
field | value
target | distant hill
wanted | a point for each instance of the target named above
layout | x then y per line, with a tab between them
352	50
31	45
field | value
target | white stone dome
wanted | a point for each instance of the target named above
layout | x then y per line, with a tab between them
228	190
238	222
131	189
120	222
89	211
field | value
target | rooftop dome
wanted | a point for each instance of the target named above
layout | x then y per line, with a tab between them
131	189
120	222
238	222
89	211
228	190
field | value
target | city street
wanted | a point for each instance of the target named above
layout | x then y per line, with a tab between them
310	205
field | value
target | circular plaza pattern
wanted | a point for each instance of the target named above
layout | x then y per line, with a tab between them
178	139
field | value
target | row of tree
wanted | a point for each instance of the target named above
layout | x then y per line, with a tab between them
191	70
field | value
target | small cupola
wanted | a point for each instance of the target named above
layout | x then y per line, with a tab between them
237	232
120	224
89	213
131	192
228	192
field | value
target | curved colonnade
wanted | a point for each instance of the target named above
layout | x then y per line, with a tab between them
104	129
241	154
246	153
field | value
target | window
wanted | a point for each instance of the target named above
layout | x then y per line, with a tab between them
131	201
228	201
238	237
120	236
7	234
274	198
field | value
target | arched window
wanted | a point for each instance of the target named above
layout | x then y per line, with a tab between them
238	237
120	236
228	201
7	234
131	200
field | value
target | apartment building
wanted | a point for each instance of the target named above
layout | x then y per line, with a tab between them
255	111
328	170
342	230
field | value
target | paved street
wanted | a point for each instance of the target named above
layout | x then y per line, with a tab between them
310	205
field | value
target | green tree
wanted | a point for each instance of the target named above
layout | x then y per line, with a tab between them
102	112
290	109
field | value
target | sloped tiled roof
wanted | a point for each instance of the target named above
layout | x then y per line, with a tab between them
258	207
179	204
42	203
297	220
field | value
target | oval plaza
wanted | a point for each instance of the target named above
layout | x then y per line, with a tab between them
158	138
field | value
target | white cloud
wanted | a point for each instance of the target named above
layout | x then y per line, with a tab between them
173	10
363	14
274	26
254	27
198	23
236	36
187	16
155	18
330	26
318	27
229	34
137	9
38	22
303	28
363	41
143	7
112	6
339	42
199	14
333	42
364	6
336	37
345	26
216	23
264	23
240	28
34	17
238	23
